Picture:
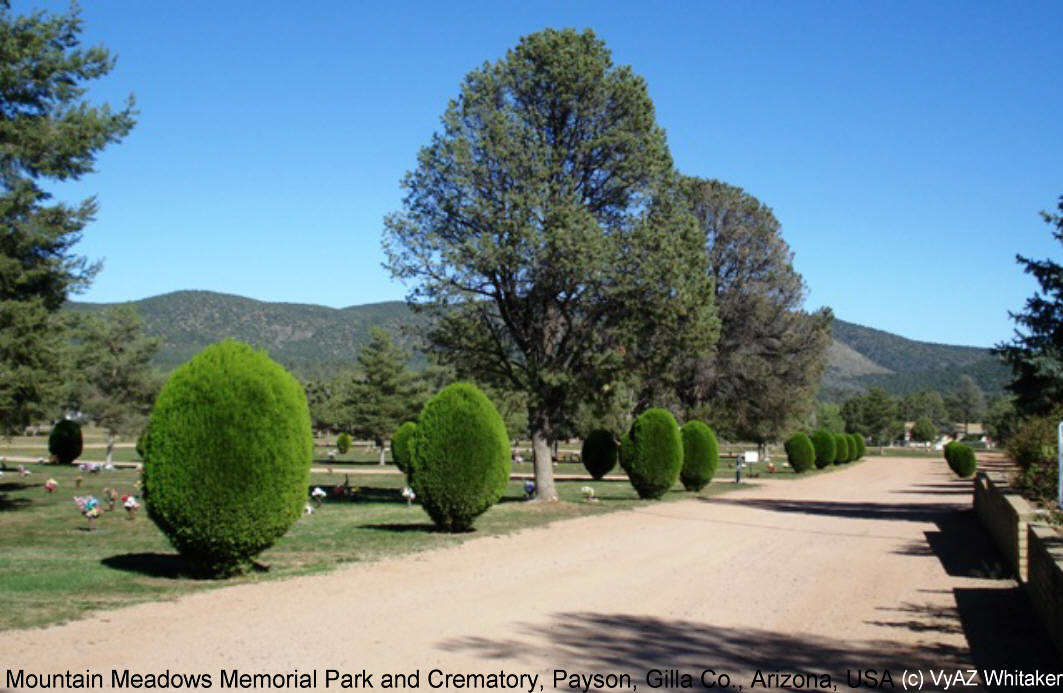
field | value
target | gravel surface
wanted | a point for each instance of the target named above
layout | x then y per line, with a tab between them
877	566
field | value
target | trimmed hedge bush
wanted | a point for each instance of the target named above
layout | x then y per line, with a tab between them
856	446
800	452
701	455
228	458
460	456
65	441
599	453
961	459
343	443
826	448
652	453
400	446
841	449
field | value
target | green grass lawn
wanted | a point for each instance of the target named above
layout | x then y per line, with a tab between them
52	569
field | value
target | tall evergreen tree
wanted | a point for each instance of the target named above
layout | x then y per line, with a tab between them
1035	354
966	402
543	227
771	353
47	133
383	394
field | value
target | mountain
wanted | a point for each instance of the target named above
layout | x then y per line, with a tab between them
313	340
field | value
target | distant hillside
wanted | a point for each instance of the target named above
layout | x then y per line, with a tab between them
313	339
309	339
902	365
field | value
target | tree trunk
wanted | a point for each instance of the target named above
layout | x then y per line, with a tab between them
110	445
544	465
383	453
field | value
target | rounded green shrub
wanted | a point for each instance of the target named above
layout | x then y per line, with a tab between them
947	451
228	458
961	459
856	446
64	442
701	455
800	452
652	453
599	453
343	443
841	449
826	448
460	456
400	445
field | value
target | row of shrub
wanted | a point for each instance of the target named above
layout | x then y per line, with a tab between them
655	453
823	449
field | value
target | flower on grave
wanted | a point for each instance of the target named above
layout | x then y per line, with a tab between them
408	494
50	485
588	493
529	488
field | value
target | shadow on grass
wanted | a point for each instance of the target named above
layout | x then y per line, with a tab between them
403	527
156	565
7	504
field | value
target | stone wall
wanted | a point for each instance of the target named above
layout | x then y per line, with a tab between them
1005	514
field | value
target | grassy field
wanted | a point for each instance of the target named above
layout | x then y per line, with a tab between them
52	569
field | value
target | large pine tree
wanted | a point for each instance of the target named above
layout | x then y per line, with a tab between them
48	132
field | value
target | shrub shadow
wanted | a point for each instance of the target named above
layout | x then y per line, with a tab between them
402	527
156	565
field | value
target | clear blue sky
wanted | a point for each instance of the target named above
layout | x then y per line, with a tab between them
905	147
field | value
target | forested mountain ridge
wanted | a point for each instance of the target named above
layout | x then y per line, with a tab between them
314	339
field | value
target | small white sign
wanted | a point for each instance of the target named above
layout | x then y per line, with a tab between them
751	456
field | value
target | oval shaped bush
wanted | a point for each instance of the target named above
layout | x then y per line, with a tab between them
599	453
64	442
228	458
400	445
460	456
841	449
343	443
652	453
855	451
948	450
701	455
800	452
823	442
962	460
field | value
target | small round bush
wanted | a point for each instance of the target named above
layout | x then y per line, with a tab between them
947	451
701	455
459	456
65	441
652	454
841	449
400	445
800	452
343	443
599	453
228	458
962	460
826	448
856	447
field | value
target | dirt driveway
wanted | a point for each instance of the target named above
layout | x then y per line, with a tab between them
877	566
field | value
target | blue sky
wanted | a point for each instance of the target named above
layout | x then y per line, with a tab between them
905	147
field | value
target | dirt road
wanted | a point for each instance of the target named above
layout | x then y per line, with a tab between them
877	566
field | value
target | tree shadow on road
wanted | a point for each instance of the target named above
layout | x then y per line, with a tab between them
594	642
